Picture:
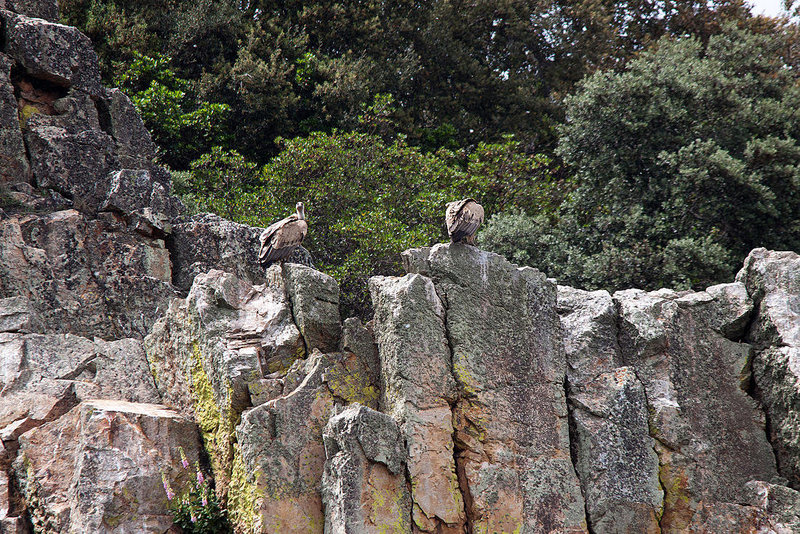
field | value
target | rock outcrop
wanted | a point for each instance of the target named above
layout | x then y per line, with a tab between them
481	397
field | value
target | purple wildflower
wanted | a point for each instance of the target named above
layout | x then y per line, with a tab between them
184	461
194	519
167	489
204	501
200	478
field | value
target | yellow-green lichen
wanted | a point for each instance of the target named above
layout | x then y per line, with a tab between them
217	427
465	378
244	497
351	386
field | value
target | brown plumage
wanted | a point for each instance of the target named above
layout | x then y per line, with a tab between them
281	238
463	218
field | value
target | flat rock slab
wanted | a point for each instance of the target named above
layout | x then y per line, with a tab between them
43	376
99	468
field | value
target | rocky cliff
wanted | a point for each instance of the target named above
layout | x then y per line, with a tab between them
481	398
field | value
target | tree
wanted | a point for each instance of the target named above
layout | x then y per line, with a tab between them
182	126
684	162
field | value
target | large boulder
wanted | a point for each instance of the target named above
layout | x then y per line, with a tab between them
364	485
231	354
134	145
59	54
99	468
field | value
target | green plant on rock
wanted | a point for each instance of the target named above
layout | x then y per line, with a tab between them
196	509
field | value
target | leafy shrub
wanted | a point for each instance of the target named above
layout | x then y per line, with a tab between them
684	162
182	126
196	509
366	199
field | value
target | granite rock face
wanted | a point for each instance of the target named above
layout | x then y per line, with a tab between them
510	415
709	433
15	166
233	356
614	452
90	277
364	485
773	280
480	398
99	468
418	389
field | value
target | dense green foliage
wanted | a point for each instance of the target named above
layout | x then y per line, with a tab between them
684	162
613	144
366	199
186	126
460	72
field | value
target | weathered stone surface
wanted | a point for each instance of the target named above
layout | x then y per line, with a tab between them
315	306
134	146
364	486
773	281
43	376
615	460
709	435
282	452
54	52
18	314
780	506
418	389
69	151
98	469
42	9
204	242
214	352
726	308
90	277
359	340
147	203
589	319
615	457
13	525
13	161
511	418
24	198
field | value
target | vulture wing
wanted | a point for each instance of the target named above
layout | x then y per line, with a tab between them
281	238
463	219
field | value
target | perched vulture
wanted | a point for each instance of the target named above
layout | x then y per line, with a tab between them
281	238
463	218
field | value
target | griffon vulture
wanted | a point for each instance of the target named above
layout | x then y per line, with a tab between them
463	218
281	238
